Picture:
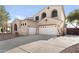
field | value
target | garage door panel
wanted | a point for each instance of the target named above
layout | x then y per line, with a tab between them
48	30
32	30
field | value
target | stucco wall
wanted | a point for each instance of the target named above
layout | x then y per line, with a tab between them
22	26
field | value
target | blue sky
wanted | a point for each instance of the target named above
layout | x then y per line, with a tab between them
22	11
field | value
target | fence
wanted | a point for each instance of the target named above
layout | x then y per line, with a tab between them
73	31
6	36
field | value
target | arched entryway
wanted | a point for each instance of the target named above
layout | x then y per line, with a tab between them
15	27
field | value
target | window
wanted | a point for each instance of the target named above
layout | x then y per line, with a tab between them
15	27
25	23
54	13
43	15
21	24
37	18
46	20
48	7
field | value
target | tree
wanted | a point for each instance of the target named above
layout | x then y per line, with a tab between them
4	17
73	17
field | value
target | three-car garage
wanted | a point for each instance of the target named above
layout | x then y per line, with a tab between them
45	30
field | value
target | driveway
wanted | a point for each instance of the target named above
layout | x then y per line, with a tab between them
12	43
52	45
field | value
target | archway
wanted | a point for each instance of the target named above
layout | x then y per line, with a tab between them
15	27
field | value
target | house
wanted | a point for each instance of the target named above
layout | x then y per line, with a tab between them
48	21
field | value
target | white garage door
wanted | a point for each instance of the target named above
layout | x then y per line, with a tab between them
32	30
49	30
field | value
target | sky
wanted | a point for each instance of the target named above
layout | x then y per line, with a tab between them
22	11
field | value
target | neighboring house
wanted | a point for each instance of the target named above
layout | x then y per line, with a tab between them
49	21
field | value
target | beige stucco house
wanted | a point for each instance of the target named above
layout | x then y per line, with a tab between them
48	21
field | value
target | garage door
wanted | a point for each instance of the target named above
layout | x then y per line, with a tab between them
32	30
49	30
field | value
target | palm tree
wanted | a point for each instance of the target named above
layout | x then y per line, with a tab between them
73	17
4	17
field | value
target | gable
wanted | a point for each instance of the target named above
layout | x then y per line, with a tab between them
49	21
48	10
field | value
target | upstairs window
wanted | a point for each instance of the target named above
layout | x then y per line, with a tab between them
54	13
43	15
48	8
37	18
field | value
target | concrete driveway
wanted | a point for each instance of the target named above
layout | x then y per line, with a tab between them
12	43
52	45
